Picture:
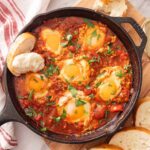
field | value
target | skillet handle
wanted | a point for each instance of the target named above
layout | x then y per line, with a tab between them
137	28
9	113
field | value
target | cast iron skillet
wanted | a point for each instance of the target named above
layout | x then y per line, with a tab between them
12	110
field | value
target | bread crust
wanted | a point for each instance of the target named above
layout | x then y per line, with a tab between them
140	102
106	147
24	43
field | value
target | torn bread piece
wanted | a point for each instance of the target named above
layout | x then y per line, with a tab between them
115	8
106	147
137	138
24	43
28	62
142	116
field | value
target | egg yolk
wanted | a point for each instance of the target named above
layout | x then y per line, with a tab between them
34	82
108	90
75	113
94	38
72	70
52	39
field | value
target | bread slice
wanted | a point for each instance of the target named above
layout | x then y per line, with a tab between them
137	138
28	62
24	43
115	8
146	28
142	116
106	147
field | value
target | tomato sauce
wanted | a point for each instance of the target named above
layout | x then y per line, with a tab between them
44	110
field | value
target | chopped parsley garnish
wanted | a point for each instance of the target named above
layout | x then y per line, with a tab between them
30	95
57	119
49	97
21	97
73	90
70	54
106	114
41	77
30	112
94	33
87	86
63	115
43	129
128	68
64	44
76	32
98	84
51	70
35	80
98	36
80	102
88	22
119	74
94	60
109	51
91	96
51	103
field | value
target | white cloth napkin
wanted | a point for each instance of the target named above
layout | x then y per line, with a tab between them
14	14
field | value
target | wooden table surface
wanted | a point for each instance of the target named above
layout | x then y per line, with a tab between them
142	5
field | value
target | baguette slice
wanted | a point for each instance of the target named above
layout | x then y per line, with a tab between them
24	43
106	147
28	62
142	116
137	138
115	8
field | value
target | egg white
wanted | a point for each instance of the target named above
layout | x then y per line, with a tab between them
91	38
109	84
75	113
40	86
52	40
77	71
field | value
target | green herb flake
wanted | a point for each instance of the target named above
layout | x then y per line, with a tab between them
100	121
49	97
64	114
109	51
64	44
50	103
30	112
94	34
91	96
76	32
98	84
70	54
57	119
51	70
69	37
80	102
35	80
21	97
87	86
88	22
73	90
119	74
98	36
31	95
43	129
107	114
41	77
94	60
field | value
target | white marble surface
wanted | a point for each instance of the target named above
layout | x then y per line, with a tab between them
33	141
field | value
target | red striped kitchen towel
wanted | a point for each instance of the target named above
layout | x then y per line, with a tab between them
14	14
